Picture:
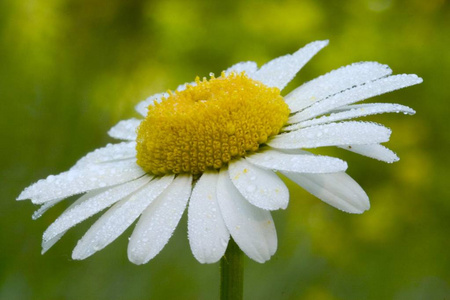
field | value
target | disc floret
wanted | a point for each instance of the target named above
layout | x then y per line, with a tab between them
208	124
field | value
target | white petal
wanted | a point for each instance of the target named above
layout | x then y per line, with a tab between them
249	67
346	133
379	108
262	188
301	163
46	206
208	235
361	92
336	189
118	218
334	82
159	220
125	130
280	71
252	228
81	180
142	107
111	152
354	111
92	203
183	86
376	151
46	245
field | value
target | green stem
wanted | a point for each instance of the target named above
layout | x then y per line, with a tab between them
232	273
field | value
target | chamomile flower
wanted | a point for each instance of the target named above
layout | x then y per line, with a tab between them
216	147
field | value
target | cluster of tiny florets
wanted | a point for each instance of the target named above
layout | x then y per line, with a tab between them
208	124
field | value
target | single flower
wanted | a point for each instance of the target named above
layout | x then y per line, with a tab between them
218	144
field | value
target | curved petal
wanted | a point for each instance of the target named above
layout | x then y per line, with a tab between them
249	67
90	204
361	92
262	188
159	220
208	235
375	151
125	130
280	71
333	134
81	180
118	218
300	163
334	82
354	111
44	207
48	243
142	107
109	153
183	86
336	189
252	228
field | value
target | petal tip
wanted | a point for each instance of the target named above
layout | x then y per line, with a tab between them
136	261
137	258
321	43
23	195
317	44
418	79
361	206
81	251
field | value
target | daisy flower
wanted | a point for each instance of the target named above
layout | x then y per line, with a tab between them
218	145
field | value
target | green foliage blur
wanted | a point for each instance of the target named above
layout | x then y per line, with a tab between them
70	69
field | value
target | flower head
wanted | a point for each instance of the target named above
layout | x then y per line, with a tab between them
217	145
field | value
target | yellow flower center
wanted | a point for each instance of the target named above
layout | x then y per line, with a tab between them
208	124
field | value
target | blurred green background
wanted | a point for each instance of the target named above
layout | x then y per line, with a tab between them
71	69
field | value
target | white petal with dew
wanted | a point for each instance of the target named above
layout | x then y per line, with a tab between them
361	92
337	189
90	204
208	235
249	67
334	82
252	228
301	163
142	107
183	86
333	134
44	207
354	111
280	71
118	218
81	180
159	220
261	187
109	153
125	130
375	151
48	243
